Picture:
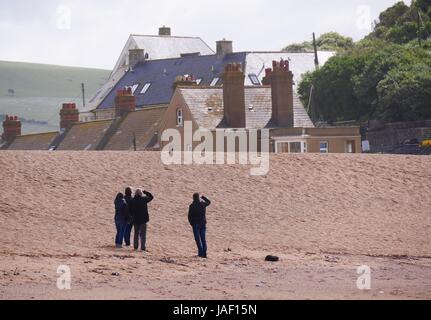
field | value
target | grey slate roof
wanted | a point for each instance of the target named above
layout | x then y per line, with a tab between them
142	123
206	106
162	73
85	135
40	141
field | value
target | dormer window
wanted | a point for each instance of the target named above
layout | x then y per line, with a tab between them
145	88
214	82
180	119
134	87
253	78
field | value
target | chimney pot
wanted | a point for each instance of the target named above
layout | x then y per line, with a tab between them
125	102
164	31
69	114
234	96
224	47
11	128
281	80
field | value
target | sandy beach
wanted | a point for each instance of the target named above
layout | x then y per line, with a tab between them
323	215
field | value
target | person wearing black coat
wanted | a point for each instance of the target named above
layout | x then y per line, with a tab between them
128	196
197	219
140	217
121	218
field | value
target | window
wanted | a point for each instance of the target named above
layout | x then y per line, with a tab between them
214	82
324	147
134	87
295	147
198	81
254	79
179	117
291	147
145	88
350	146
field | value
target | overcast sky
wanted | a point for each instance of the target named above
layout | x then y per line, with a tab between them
92	33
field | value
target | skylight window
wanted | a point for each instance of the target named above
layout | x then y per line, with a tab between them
134	87
254	79
145	88
198	81
214	82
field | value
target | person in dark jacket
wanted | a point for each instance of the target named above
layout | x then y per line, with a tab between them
127	233
197	219
140	217
121	218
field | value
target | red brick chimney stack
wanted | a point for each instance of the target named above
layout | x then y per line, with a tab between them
69	114
234	96
125	102
281	80
11	128
266	81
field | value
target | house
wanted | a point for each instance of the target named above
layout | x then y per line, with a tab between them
154	47
151	79
274	106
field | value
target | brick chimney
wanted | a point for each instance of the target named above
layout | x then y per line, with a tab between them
184	81
224	47
125	102
234	96
281	80
69	115
266	81
135	56
164	31
11	128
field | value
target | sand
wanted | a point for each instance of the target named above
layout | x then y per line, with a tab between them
323	215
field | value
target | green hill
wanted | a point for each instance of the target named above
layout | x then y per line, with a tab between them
35	92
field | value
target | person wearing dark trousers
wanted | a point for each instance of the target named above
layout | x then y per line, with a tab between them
197	219
140	217
127	233
121	219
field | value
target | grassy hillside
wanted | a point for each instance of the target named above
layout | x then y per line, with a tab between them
39	80
35	92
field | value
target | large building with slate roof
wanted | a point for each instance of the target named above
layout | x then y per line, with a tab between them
155	47
151	81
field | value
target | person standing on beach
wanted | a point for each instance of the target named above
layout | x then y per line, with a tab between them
127	233
140	217
121	219
197	219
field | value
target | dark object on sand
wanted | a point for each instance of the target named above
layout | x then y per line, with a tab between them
272	259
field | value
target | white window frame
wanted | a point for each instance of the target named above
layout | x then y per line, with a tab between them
352	143
134	87
214	81
278	141
253	76
145	88
198	81
180	117
324	150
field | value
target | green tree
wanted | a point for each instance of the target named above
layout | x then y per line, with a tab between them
330	41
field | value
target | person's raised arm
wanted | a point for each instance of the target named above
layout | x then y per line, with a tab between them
206	200
149	197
